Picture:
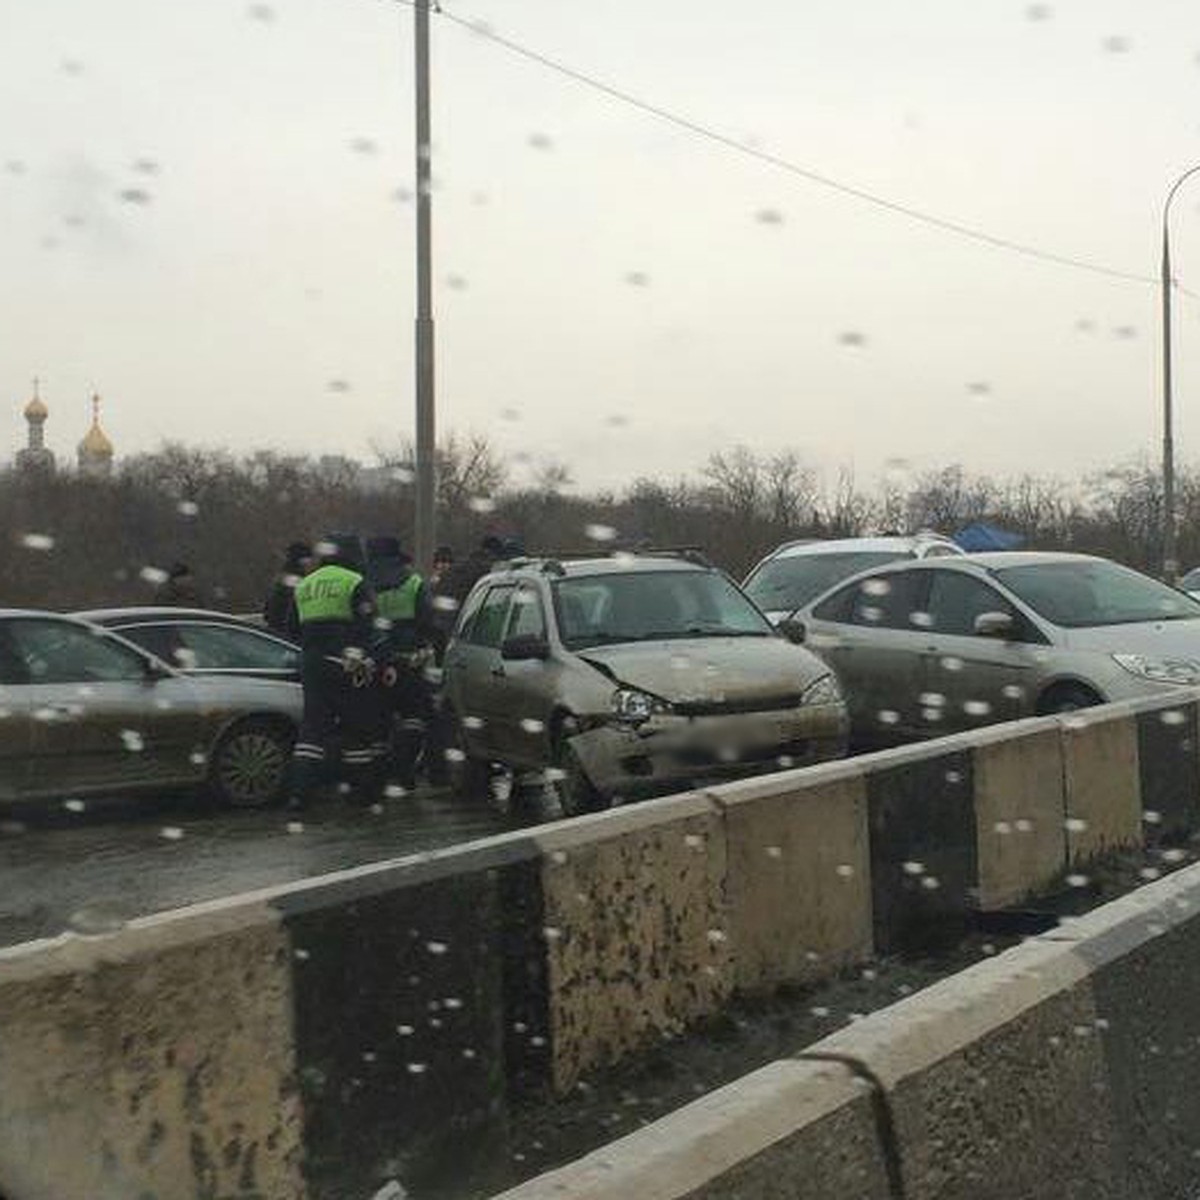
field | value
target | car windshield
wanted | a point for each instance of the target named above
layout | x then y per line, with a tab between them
641	606
790	583
1087	593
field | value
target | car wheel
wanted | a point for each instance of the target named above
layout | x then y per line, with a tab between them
567	780
1067	698
468	776
250	764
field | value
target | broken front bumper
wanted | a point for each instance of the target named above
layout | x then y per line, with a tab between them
667	750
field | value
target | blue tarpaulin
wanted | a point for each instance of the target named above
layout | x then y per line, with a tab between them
981	536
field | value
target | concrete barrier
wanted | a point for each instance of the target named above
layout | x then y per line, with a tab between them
1102	783
799	875
1064	1067
810	1124
637	932
159	1062
385	1017
1020	811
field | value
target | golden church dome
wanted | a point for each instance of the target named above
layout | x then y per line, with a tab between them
36	409
95	442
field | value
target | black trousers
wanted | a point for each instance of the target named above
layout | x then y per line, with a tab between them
343	733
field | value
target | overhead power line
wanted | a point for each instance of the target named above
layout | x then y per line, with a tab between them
932	220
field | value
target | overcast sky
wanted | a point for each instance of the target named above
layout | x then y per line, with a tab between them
199	217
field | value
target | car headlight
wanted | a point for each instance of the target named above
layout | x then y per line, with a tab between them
1161	670
634	707
826	690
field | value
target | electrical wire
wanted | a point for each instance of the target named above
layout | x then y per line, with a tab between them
932	220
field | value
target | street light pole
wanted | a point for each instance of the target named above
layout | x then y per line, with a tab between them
426	515
1170	564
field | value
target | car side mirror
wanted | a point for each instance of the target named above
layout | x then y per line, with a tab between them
793	630
995	625
525	648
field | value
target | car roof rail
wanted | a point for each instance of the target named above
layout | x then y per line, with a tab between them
552	561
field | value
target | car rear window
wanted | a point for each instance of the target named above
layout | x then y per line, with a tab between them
786	584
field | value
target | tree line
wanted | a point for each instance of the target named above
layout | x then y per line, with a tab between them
73	542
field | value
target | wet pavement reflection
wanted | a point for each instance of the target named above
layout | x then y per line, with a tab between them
68	868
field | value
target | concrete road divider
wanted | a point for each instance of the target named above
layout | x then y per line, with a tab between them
376	1023
637	937
158	1062
790	1129
1102	783
1065	1067
799	875
1020	811
1169	767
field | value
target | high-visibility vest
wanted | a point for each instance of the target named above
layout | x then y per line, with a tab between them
399	604
327	594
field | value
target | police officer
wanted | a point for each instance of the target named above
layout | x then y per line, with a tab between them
335	611
413	649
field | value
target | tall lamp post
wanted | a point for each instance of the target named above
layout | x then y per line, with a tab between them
426	515
1170	561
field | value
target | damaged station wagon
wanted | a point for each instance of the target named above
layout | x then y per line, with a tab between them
620	677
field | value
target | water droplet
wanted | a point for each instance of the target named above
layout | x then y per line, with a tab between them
1023	825
930	883
774	851
1077	881
1150	873
912	867
599	533
717	937
481	504
1002	827
540	141
1173	717
977	708
851	337
132	740
1150	817
532	725
950	663
876	587
37	541
98	919
1117	44
1075	825
769	216
154	575
436	948
845	871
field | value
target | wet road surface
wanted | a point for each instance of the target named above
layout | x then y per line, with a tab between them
60	868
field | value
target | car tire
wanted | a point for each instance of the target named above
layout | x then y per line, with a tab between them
467	775
570	784
249	767
1067	697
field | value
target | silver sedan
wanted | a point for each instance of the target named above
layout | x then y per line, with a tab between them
924	648
84	712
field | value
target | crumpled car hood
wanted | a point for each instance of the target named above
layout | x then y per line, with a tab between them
713	670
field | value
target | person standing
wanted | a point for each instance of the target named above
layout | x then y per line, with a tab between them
412	640
335	612
279	608
180	589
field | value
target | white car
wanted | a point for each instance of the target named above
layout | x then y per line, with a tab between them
797	572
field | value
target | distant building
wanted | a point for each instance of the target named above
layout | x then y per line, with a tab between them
95	453
36	456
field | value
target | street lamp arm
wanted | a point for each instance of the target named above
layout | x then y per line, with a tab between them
1170	560
1174	188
